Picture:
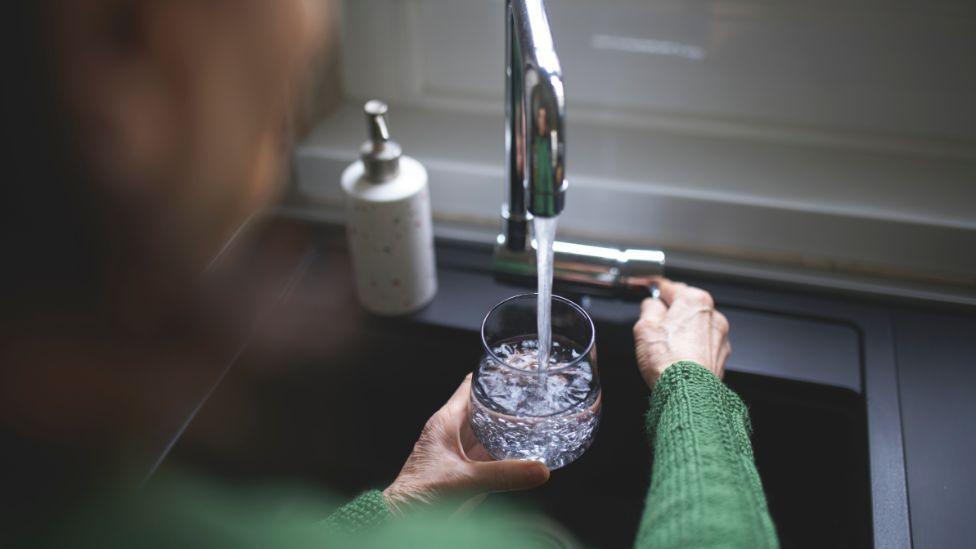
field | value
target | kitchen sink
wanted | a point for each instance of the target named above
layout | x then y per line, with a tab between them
346	420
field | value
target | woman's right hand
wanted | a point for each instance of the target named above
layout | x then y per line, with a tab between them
680	325
449	461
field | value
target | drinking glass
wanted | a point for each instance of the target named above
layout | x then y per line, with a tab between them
519	411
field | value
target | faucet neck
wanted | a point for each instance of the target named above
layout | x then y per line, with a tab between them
535	119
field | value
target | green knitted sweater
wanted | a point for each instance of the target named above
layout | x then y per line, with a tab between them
705	492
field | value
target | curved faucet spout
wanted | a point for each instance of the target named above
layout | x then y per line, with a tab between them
535	111
535	120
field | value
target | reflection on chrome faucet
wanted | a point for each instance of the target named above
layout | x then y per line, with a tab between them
535	146
533	85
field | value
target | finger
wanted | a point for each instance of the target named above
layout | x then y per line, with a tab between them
678	293
653	310
669	290
459	400
720	323
476	452
469	441
718	330
504	476
723	355
470	444
455	410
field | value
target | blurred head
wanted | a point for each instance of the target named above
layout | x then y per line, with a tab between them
541	121
148	131
138	136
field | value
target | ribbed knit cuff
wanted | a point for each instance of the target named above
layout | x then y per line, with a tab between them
705	490
368	510
686	372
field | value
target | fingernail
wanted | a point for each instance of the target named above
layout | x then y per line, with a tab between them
539	471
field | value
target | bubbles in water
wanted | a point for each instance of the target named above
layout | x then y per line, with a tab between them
519	412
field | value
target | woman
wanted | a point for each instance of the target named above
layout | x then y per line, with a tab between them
140	135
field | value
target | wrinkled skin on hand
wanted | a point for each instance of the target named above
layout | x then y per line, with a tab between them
449	461
681	325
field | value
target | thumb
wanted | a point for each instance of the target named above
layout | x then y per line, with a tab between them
503	476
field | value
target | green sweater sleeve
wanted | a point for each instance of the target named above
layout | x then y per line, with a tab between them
705	490
368	510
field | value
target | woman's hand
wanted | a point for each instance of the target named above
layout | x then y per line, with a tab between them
682	325
448	460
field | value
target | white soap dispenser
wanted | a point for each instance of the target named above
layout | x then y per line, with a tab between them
388	223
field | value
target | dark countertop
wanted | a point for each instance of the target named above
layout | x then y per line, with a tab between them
936	355
912	369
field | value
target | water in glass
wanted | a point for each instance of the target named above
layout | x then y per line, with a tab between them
521	411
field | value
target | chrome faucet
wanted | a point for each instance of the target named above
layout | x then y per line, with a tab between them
535	110
535	117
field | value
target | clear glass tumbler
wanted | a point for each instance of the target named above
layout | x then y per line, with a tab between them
519	411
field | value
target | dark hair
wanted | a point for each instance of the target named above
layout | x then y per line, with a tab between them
52	249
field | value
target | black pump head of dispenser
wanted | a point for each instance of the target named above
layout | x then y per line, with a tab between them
380	155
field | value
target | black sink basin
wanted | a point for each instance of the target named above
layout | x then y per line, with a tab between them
347	422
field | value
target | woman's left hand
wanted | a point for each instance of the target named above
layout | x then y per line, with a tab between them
448	460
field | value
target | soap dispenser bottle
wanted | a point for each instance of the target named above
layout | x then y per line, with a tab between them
388	223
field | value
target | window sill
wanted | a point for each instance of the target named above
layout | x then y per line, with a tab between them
800	211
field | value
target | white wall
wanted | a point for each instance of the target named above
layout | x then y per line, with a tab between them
822	136
869	71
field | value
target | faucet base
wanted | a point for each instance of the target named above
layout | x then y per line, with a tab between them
583	268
